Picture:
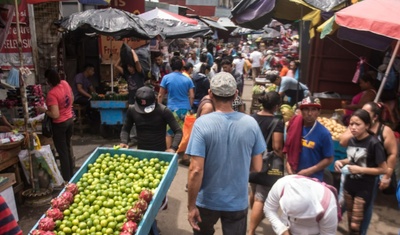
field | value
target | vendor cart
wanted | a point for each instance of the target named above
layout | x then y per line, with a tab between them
147	224
112	114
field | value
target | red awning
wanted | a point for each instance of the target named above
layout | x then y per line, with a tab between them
377	16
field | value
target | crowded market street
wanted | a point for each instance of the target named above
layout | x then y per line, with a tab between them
174	220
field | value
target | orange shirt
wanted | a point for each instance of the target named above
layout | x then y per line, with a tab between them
61	95
284	71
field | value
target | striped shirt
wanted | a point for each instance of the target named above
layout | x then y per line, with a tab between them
8	225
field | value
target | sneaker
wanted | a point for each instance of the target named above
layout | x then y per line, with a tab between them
185	162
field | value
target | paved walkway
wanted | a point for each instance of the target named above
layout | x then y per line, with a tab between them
174	220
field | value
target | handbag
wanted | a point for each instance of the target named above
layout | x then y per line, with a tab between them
273	166
47	128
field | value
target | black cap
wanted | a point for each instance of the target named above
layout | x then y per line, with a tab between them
145	101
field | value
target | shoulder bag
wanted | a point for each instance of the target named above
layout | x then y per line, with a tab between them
47	128
273	165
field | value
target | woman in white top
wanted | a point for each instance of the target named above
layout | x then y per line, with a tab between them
308	207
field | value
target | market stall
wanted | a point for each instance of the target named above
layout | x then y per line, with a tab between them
106	194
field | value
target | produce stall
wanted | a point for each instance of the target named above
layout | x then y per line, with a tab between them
106	192
112	108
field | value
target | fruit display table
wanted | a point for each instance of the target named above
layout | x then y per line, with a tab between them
112	112
147	161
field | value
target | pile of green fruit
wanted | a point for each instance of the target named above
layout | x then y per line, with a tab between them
112	96
110	198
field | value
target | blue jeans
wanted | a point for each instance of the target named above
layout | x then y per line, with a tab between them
368	209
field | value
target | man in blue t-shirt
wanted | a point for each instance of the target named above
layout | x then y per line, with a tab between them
317	149
288	86
224	147
180	93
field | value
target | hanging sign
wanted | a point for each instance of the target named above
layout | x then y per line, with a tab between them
9	53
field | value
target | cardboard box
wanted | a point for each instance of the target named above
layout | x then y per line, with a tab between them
7	192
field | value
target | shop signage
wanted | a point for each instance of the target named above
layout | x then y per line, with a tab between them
9	53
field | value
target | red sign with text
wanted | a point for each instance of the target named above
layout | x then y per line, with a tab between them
132	6
9	54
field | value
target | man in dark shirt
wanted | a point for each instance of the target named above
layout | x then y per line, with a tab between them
82	87
151	120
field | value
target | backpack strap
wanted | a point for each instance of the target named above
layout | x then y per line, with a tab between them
326	199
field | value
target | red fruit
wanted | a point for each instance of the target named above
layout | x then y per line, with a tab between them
60	203
146	195
55	214
141	204
129	227
47	224
125	233
37	232
71	187
42	232
68	196
134	214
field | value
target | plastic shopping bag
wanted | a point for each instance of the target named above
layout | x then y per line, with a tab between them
43	157
187	130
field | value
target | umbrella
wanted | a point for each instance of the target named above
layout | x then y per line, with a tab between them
382	19
167	15
213	24
110	22
177	29
243	31
253	13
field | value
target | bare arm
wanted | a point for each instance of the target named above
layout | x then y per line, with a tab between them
390	146
53	111
381	169
256	163
366	97
82	91
161	95
206	108
345	137
195	179
318	167
118	66
277	143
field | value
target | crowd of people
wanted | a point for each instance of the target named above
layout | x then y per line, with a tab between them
228	144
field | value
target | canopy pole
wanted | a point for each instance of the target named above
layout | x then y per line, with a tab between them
396	49
112	67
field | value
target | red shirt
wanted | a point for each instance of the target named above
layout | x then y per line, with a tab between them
61	95
8	225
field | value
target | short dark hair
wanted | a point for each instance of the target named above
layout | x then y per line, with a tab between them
176	63
204	67
188	66
226	61
363	115
269	100
52	77
370	77
376	108
88	65
157	54
203	57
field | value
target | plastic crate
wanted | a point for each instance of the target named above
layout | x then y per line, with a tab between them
111	112
160	192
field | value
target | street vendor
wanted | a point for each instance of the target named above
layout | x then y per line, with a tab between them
288	86
82	87
129	66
